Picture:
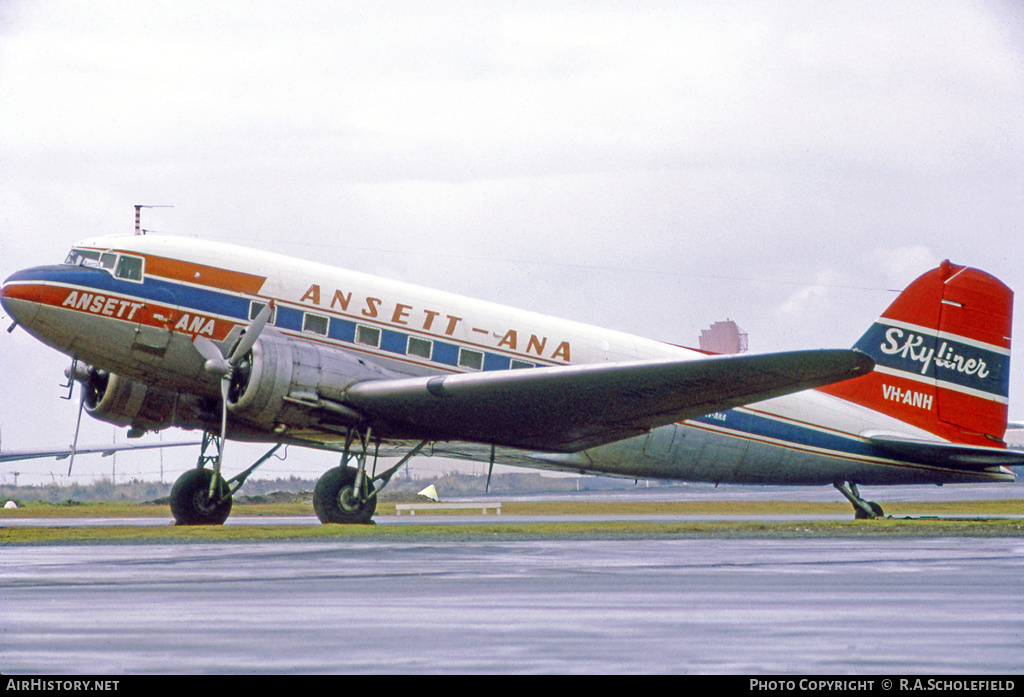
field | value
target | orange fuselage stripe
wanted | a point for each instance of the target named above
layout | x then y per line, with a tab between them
200	274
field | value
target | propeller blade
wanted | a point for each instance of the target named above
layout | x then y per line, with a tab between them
251	334
78	425
225	385
215	362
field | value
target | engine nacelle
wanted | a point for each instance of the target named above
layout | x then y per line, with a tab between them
124	402
296	383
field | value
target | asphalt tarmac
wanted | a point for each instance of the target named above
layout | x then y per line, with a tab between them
696	606
435	606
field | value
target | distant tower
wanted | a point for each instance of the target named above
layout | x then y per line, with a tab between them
723	337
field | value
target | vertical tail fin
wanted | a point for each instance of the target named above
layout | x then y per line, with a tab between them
942	354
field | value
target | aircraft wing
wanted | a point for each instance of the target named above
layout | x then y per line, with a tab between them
951	455
567	409
64	453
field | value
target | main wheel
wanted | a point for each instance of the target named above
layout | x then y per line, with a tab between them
191	503
876	512
336	501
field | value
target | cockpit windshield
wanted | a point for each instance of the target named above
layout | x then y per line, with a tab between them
91	258
122	266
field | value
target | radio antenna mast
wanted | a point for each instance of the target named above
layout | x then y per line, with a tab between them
138	216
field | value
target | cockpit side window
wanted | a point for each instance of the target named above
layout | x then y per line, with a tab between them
129	268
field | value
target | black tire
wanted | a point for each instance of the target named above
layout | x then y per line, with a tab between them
335	502
876	512
190	499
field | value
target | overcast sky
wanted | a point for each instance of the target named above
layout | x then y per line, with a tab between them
648	167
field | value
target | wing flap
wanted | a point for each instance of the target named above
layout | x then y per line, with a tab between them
567	409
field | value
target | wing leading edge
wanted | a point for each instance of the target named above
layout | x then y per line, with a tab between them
567	409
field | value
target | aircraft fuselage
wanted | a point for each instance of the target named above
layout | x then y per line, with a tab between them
137	304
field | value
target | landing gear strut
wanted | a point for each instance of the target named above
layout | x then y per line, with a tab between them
348	495
862	510
201	496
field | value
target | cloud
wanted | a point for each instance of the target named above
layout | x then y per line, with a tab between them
903	264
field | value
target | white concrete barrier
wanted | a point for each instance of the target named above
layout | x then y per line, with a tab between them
413	507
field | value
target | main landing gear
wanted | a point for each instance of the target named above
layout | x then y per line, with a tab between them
348	495
862	510
203	497
191	502
343	494
338	498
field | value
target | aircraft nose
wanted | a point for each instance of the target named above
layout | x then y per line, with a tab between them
5	293
20	300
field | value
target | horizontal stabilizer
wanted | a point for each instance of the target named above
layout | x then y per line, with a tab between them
943	454
567	409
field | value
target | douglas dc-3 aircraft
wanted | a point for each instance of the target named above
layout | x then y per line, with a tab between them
255	346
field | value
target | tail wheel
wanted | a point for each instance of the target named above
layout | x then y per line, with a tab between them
191	503
336	501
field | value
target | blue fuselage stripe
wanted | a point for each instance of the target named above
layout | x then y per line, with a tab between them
236	307
747	424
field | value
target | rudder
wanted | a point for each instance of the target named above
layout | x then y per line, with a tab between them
942	355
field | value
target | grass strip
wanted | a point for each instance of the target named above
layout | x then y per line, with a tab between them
40	509
887	527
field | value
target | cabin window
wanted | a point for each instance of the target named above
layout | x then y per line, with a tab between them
517	365
473	360
367	335
129	268
419	347
255	308
316	324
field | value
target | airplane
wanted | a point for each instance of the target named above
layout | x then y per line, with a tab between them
64	453
252	346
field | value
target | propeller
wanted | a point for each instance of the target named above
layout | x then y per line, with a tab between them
224	368
78	425
92	384
76	374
